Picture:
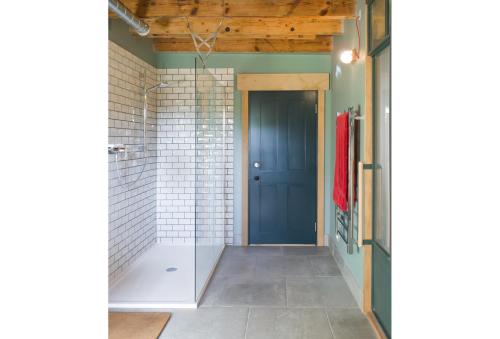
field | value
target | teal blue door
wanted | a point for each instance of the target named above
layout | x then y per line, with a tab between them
282	167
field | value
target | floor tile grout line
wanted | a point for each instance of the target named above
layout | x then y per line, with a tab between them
286	294
248	320
329	323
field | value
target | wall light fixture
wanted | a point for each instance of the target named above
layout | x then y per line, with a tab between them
352	55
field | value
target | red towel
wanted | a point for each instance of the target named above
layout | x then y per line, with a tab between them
340	187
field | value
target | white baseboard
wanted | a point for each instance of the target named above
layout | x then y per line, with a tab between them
327	241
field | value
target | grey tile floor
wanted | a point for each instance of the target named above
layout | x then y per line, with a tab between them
273	292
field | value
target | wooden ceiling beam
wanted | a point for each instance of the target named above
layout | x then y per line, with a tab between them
237	36
252	27
247	8
323	44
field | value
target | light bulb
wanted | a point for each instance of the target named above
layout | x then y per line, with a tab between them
348	56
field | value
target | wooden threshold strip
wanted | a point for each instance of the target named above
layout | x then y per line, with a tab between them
375	325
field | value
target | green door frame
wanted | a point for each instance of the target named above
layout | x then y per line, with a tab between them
373	53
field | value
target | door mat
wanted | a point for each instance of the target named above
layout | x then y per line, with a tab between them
136	325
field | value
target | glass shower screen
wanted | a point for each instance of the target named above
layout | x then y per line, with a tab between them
210	168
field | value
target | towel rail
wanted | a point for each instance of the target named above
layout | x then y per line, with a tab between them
346	219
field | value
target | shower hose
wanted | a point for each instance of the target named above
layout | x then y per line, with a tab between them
144	145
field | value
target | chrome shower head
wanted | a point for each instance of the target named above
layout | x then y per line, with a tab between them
159	85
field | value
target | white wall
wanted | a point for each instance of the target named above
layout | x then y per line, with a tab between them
160	207
176	160
131	208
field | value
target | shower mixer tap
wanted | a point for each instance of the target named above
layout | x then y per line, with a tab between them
116	148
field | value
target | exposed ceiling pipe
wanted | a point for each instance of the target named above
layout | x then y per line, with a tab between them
119	9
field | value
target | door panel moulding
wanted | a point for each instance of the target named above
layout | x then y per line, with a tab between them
319	82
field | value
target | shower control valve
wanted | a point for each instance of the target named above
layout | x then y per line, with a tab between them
116	148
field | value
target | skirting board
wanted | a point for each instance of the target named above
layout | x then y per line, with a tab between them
346	273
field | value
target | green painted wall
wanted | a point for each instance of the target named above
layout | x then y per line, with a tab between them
119	33
348	90
256	63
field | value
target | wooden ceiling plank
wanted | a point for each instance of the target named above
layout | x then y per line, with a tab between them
237	36
245	8
319	45
255	26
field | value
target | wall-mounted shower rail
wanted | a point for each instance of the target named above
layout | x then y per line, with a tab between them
346	219
119	9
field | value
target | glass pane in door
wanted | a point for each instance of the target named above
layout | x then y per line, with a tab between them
381	255
382	151
377	22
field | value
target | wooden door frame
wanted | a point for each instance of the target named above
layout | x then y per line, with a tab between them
319	82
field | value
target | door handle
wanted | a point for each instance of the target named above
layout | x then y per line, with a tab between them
361	203
256	178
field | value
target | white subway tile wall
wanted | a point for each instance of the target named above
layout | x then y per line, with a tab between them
212	188
160	206
176	167
131	206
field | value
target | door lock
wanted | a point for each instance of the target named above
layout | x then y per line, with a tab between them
256	178
256	164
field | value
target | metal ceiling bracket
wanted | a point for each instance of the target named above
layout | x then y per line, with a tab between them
208	42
